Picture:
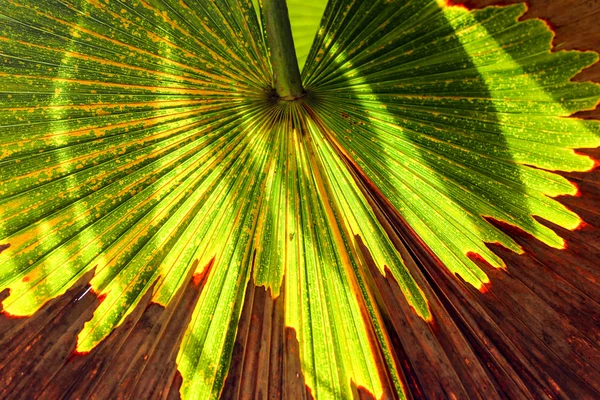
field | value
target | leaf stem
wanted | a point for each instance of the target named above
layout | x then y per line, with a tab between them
288	83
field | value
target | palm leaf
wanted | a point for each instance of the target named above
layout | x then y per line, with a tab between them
142	145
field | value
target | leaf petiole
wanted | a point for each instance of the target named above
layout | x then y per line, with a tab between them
288	82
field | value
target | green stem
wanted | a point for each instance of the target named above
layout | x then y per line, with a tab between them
283	53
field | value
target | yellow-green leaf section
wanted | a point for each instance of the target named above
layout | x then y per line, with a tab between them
456	115
142	140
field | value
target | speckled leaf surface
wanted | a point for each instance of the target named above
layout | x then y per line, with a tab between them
141	140
454	116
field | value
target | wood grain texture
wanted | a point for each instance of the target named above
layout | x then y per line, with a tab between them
137	360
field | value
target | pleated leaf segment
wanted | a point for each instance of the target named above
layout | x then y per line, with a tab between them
143	140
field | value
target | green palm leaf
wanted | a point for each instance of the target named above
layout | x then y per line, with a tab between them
143	141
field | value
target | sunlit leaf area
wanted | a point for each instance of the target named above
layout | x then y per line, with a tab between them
420	224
